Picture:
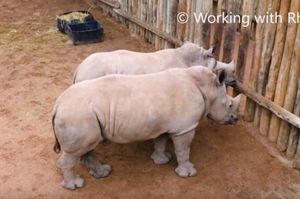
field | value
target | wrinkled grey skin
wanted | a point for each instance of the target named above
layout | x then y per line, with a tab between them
130	108
129	62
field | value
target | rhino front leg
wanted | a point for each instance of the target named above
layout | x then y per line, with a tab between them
97	169
160	155
66	163
182	150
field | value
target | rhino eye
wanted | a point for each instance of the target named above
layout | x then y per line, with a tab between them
230	105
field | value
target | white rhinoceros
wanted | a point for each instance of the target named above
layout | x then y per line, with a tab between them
130	108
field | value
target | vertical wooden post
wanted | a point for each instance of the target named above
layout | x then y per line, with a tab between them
154	19
158	40
201	31
173	18
291	93
230	30
219	29
294	134
181	28
275	65
259	37
188	24
282	82
213	26
191	20
268	44
247	10
206	27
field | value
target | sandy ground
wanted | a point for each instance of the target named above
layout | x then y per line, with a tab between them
36	65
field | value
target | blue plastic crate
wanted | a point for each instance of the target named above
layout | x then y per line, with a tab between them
88	32
62	25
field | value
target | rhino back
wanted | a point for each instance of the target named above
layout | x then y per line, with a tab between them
126	62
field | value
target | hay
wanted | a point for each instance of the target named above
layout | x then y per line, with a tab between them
74	16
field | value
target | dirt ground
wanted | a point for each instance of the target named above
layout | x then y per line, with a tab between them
36	65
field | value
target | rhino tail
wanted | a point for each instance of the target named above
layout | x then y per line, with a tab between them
56	146
74	76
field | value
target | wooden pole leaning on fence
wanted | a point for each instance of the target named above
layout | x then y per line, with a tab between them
273	107
275	66
282	82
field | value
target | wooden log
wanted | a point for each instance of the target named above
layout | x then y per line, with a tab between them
132	11
202	30
282	82
151	20
275	65
154	19
163	10
148	20
138	16
294	134
293	142
143	17
188	24
213	25
247	10
173	20
181	28
190	31
158	19
273	107
229	31
125	8
197	39
144	8
268	45
291	93
168	21
206	27
219	29
259	36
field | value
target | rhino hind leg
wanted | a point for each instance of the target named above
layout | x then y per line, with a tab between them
66	163
160	155
97	169
182	150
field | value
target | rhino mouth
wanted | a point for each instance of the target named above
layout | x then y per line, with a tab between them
230	82
232	121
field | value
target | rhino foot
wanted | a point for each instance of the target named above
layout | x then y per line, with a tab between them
161	158
186	170
73	183
101	171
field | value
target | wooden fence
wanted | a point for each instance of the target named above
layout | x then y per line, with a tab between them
266	54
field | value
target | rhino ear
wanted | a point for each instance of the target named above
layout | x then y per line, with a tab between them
211	50
221	76
232	66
